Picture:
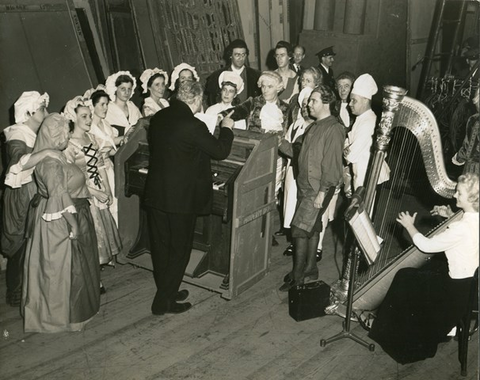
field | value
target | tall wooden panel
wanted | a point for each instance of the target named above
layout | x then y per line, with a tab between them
194	31
43	48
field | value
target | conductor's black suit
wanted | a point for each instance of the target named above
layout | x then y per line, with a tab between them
178	188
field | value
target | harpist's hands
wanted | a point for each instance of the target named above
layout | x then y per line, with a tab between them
444	211
406	220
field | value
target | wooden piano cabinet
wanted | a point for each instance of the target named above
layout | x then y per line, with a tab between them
128	189
231	248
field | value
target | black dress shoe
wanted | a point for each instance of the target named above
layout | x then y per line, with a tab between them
288	285
280	232
173	308
182	295
288	251
319	255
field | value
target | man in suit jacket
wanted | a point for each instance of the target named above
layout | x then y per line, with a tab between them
235	56
298	57
178	188
326	57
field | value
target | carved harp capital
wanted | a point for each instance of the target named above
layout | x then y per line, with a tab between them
392	97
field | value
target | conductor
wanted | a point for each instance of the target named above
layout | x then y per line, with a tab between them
178	188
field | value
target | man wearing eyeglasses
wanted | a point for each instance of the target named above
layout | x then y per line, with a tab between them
235	56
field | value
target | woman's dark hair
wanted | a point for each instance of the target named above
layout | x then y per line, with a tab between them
97	95
153	77
123	79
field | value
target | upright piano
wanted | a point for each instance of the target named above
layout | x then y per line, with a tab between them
231	248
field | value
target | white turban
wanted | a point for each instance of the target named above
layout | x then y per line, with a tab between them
365	86
233	78
148	73
28	103
305	93
176	73
110	84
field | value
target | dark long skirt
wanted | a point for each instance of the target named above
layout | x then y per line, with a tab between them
421	307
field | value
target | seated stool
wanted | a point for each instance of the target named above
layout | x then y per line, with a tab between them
464	329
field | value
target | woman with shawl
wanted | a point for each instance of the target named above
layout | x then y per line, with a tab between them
122	112
60	288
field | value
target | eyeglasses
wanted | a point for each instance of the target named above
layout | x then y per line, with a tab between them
239	55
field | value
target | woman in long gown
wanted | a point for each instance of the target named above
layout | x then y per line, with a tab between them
84	152
154	82
423	305
30	110
61	272
105	137
122	113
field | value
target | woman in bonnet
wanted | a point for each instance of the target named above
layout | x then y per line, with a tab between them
122	112
60	288
84	152
180	74
30	110
230	85
105	137
154	82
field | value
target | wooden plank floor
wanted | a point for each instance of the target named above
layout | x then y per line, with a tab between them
251	337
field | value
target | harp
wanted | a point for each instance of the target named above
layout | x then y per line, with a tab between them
398	111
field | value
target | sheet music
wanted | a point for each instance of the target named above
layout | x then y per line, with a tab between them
366	236
209	120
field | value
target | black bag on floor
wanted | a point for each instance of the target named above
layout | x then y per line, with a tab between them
308	301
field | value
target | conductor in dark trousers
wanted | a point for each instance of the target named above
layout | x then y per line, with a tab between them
178	188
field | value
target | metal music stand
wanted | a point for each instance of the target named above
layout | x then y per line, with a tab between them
357	201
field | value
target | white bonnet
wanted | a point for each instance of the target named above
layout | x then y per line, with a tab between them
110	83
148	73
28	103
176	73
69	110
305	93
234	78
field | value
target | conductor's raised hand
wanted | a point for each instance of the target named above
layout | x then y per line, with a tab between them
406	220
228	122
